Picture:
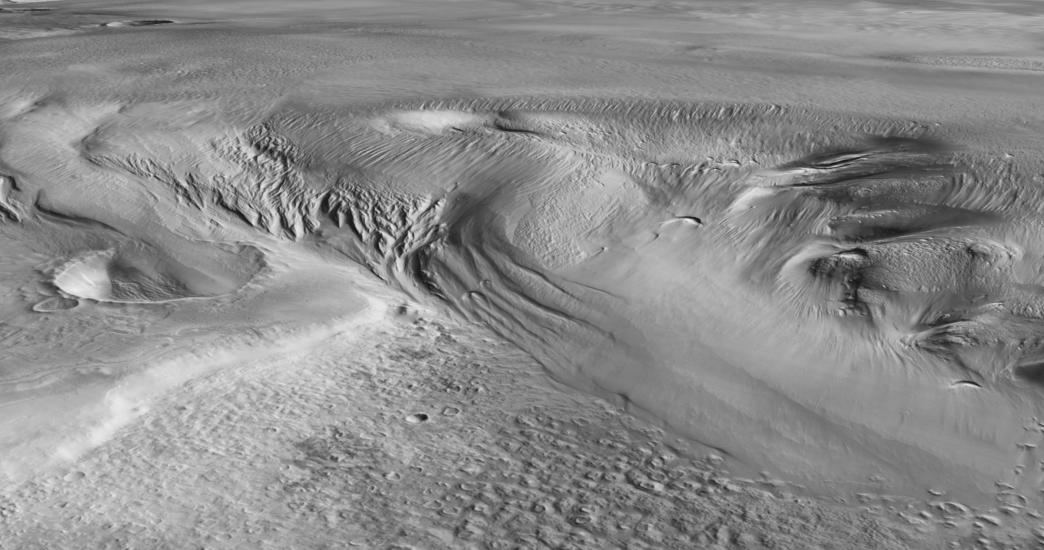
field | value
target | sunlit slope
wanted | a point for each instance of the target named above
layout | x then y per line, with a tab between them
843	298
848	300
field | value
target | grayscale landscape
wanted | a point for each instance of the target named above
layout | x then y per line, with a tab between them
469	274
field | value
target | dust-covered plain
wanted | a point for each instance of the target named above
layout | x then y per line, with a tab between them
521	274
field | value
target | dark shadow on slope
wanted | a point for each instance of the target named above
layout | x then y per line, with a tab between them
1032	373
899	219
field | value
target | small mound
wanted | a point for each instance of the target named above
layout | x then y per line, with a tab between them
55	303
138	23
434	121
442	121
417	418
143	275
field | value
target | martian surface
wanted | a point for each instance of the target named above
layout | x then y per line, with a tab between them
565	274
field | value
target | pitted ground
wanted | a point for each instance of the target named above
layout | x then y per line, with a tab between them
324	450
